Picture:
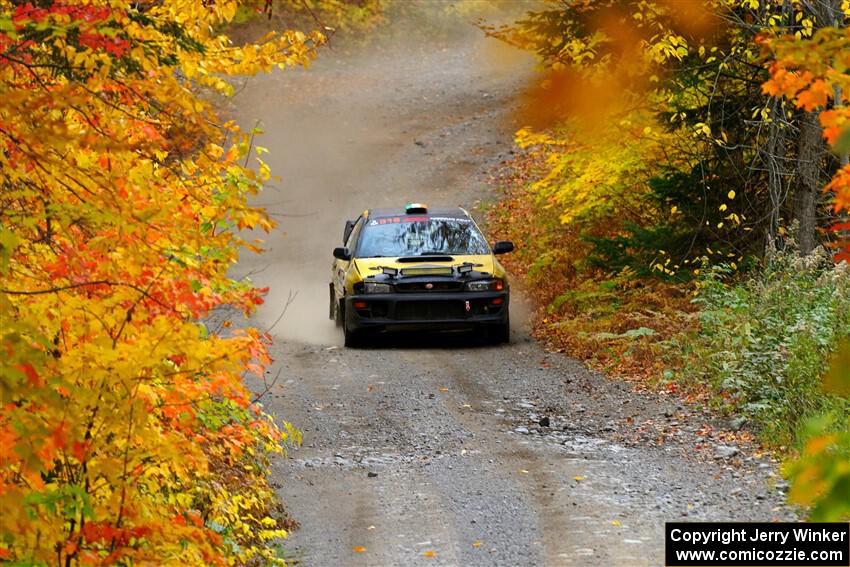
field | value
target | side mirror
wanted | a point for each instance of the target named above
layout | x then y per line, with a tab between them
342	253
349	226
503	247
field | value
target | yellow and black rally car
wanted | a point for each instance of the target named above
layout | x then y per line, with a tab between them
418	269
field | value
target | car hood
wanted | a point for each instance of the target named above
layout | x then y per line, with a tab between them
484	263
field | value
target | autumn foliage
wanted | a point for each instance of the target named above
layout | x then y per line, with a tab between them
813	74
681	204
126	434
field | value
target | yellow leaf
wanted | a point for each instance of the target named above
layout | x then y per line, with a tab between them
429	553
731	194
578	478
359	549
476	543
615	523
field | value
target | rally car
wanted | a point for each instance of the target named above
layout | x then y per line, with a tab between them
415	269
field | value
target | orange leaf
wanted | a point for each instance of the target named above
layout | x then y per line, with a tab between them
815	96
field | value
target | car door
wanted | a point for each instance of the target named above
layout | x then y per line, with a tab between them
341	267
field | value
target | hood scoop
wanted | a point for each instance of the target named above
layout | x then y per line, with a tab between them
432	258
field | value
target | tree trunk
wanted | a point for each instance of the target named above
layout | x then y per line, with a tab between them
807	180
774	160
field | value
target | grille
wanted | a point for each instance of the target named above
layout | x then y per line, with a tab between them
435	286
427	310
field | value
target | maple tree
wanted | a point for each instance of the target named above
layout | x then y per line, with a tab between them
126	434
685	77
813	75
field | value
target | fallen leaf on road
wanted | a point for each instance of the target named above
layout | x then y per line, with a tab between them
429	553
615	523
359	549
371	528
523	471
578	478
476	543
444	389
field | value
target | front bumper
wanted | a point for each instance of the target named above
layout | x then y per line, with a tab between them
433	310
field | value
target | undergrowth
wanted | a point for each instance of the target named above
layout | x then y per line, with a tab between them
764	342
752	345
616	322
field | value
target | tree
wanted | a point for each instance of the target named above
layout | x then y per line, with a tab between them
746	165
813	75
126	434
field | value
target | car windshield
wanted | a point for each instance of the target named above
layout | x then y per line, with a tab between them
420	236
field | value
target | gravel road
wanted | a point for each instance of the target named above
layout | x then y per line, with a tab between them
441	450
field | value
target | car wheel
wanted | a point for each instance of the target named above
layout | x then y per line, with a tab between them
332	304
501	333
353	339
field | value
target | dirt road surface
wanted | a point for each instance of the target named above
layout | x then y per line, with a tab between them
430	450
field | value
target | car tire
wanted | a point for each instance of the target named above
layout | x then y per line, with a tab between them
353	339
501	333
332	304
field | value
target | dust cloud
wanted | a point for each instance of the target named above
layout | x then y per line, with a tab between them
399	119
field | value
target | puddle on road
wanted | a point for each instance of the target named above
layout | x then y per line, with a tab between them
524	418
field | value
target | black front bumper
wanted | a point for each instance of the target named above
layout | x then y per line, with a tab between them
432	310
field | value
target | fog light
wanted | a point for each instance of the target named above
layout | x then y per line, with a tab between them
360	305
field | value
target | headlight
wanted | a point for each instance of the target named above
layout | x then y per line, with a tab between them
485	285
375	287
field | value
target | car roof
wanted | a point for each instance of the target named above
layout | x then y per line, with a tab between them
432	212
